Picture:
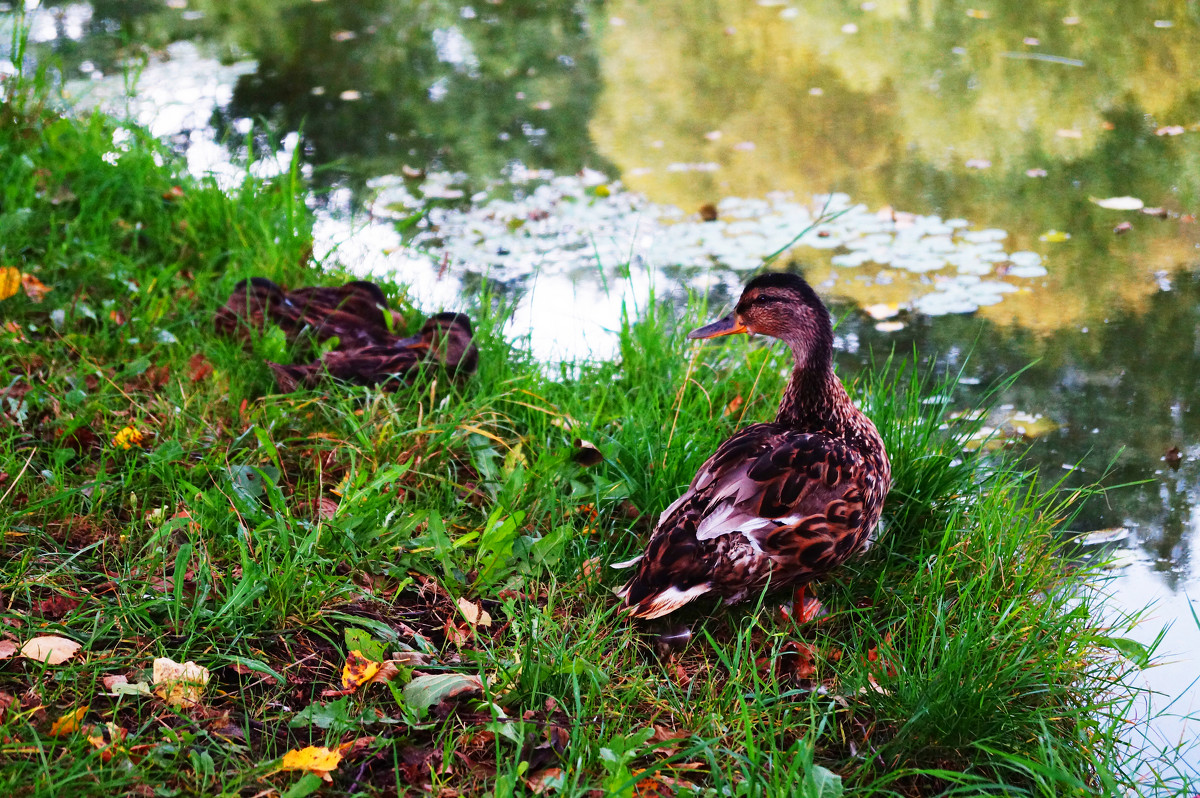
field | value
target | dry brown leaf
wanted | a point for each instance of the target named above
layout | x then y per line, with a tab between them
35	289
313	759
355	748
198	367
548	779
358	670
68	723
179	684
474	613
51	649
7	648
10	282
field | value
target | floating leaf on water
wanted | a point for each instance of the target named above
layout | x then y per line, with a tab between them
1068	133
1054	237
1161	213
1101	537
1170	130
1119	203
1174	457
882	310
1123	227
1037	171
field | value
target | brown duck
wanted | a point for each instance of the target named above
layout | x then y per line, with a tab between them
780	503
445	340
356	313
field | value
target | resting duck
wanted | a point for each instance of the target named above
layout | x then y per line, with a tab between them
445	340
356	313
779	503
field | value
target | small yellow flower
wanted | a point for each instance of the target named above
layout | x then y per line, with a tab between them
127	437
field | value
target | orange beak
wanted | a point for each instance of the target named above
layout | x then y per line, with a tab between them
726	326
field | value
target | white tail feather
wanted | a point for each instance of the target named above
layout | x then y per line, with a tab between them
667	601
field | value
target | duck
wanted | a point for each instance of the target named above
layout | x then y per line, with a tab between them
780	503
355	313
445	340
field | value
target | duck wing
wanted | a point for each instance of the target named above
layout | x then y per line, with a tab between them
771	504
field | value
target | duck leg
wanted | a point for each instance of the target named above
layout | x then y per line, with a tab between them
804	607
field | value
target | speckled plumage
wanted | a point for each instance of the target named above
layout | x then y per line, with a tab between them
778	503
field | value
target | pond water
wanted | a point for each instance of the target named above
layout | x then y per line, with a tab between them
1013	180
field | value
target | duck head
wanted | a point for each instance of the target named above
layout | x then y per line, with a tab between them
782	306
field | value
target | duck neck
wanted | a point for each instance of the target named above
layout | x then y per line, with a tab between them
813	400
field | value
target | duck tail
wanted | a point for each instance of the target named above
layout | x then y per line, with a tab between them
659	602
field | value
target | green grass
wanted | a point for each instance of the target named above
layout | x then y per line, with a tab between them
253	532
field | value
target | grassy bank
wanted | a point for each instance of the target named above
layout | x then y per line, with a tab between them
267	536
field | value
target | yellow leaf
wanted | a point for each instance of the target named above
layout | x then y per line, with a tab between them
51	649
313	759
475	615
10	282
35	289
68	723
180	685
358	671
1054	236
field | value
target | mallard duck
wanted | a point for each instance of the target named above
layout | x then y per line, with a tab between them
779	503
445	340
355	312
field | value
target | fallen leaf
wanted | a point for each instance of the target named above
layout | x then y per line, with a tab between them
319	761
7	648
1035	172
357	671
586	453
548	779
1161	213
10	282
1170	130
198	367
355	748
180	685
107	739
68	723
1119	203
1054	237
1069	133
35	289
51	649
57	606
475	614
116	317
427	691
1123	227
708	212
